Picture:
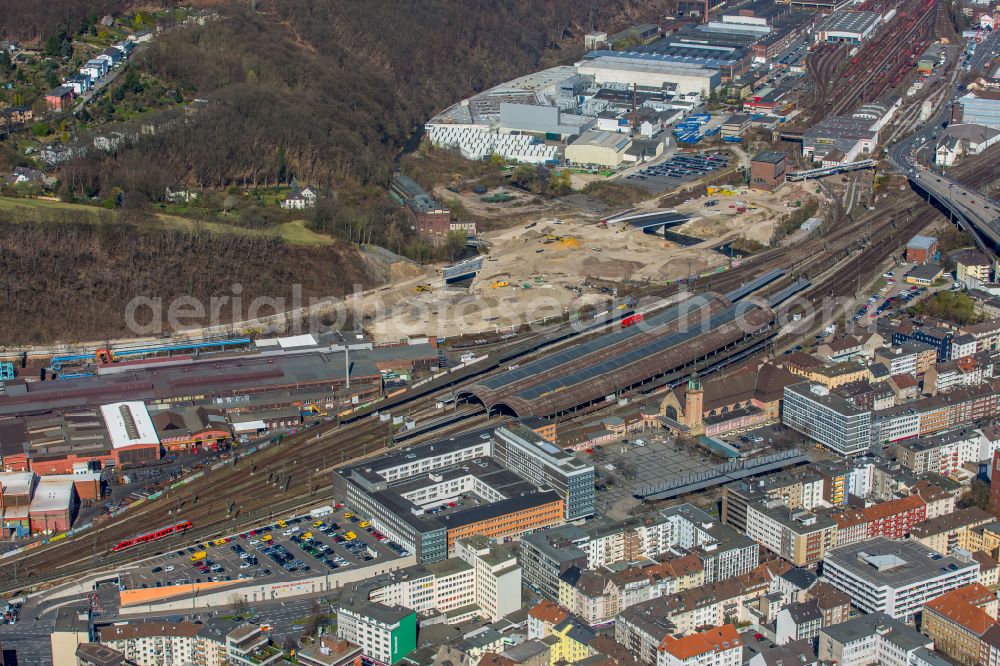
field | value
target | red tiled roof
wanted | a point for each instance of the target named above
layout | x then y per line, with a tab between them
549	612
962	607
886	509
716	639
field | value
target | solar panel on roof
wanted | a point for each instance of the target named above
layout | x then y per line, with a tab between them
575	352
626	358
754	285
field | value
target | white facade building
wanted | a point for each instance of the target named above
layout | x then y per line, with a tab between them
894	577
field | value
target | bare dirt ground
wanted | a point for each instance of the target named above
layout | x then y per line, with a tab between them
541	269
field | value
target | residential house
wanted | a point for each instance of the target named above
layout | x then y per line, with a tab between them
59	98
957	621
573	641
26	176
873	638
798	621
543	617
717	646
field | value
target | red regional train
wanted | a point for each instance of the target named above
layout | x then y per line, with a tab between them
154	535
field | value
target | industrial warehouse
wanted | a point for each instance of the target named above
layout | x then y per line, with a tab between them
133	412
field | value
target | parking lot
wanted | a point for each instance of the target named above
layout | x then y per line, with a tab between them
622	471
895	295
681	168
289	549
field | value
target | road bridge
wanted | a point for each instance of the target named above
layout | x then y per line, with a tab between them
657	221
969	209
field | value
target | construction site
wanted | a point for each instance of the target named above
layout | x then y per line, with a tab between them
554	267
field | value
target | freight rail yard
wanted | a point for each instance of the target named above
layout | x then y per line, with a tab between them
666	363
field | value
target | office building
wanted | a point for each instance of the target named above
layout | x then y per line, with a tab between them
831	420
414	495
531	456
384	633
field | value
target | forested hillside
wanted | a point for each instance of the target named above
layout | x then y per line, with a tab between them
329	90
324	92
69	281
30	20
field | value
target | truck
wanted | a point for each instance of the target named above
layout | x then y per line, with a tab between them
199	556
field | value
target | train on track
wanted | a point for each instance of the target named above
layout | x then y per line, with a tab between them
176	528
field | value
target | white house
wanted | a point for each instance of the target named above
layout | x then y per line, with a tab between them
95	69
964	139
306	198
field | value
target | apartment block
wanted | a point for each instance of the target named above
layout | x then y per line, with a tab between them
895	577
956	529
958	620
718	646
943	454
875	638
799	536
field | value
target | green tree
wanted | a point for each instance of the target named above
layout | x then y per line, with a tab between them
559	182
282	166
53	45
41	129
524	175
456	244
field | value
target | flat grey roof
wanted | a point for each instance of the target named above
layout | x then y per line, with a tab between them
899	634
902	563
850	21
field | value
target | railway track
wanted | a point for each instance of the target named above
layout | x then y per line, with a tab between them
278	480
876	77
294	474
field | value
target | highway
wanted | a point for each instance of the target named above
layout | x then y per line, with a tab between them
974	212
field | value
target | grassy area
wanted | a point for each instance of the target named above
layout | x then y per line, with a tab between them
291	232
